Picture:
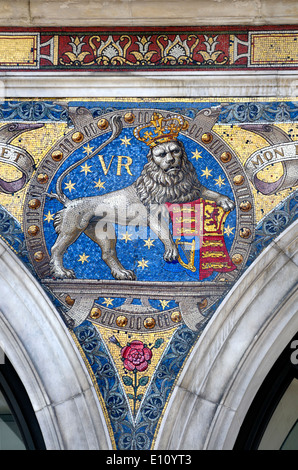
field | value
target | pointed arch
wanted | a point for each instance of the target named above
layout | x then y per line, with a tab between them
42	352
236	351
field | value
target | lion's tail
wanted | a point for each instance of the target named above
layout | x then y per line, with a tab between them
60	197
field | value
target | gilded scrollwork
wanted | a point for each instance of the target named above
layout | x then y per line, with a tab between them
111	51
177	51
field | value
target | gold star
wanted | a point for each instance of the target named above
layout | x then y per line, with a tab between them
143	264
206	172
126	236
219	181
49	217
228	230
83	258
149	243
125	141
99	184
108	302
196	154
88	149
85	169
164	303
70	186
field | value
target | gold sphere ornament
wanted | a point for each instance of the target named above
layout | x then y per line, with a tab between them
176	316
238	180
237	258
95	313
185	125
245	232
34	203
149	323
33	230
57	155
69	300
203	304
103	124
129	118
121	321
245	206
38	256
225	157
77	137
42	178
207	138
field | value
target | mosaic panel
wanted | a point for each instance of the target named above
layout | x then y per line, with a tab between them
137	216
197	48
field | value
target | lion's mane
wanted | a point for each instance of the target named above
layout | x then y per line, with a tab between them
155	186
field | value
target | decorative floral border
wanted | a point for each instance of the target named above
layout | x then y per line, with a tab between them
172	48
243	112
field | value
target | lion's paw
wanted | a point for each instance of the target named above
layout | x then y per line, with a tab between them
226	203
62	273
171	254
124	275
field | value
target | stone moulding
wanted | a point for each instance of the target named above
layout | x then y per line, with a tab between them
277	84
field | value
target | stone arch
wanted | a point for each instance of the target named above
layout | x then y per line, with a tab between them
236	351
42	352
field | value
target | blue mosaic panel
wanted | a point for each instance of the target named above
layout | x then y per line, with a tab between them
137	217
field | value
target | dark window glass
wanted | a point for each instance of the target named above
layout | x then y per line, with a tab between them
19	428
10	435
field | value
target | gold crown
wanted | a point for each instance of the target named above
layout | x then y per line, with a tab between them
160	129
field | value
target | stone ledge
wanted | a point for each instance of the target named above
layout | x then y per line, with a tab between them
229	84
150	13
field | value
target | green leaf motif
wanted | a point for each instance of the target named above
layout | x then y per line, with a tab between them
127	380
143	381
158	343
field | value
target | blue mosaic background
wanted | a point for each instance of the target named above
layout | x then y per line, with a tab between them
129	253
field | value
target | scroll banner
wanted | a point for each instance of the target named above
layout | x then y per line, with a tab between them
285	153
20	159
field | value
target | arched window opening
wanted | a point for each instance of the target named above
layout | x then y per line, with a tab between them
19	429
10	435
272	420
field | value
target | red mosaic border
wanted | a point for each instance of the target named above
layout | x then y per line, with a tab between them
146	49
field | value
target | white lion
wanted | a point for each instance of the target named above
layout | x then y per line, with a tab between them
168	176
